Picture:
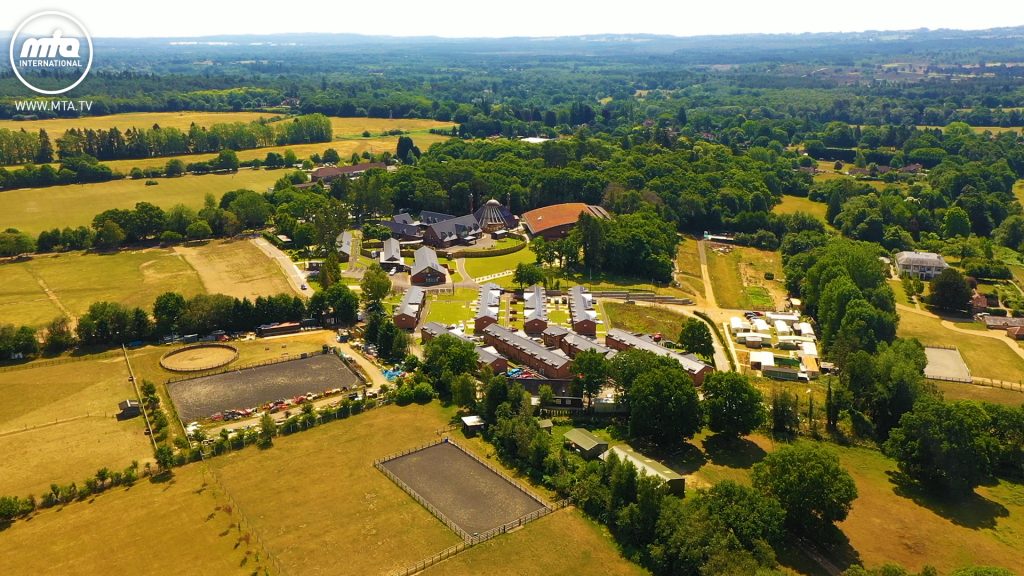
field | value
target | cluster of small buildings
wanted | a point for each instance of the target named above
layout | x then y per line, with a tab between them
790	333
425	269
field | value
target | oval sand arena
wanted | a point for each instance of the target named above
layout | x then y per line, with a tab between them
199	357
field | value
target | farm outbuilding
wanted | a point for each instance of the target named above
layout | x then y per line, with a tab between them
675	483
129	409
585	443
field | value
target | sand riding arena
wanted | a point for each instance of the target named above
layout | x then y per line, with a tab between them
199	357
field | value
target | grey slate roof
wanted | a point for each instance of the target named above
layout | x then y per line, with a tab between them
428	217
538	301
490	301
425	258
579	304
581	343
392	251
453	228
344	243
411	302
908	258
527	346
689	362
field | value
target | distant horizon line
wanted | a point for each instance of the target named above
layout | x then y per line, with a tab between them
7	33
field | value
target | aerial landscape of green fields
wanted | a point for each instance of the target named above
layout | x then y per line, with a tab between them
688	290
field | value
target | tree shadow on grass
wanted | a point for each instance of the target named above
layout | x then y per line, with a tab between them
971	511
686	460
822	554
732	452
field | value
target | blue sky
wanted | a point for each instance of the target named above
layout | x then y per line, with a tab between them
461	18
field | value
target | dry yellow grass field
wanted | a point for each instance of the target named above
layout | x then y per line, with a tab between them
73	281
85	393
315	497
55	127
345	148
181	527
564	543
236	268
33	210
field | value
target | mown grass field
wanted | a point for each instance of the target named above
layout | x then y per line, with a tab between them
78	279
792	204
454	308
738	277
184	526
562	543
478	267
84	396
986	357
33	210
236	268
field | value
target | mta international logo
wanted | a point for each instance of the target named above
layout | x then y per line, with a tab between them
51	52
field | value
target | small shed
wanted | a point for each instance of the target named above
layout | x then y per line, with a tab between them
546	424
472	424
782	329
585	443
129	409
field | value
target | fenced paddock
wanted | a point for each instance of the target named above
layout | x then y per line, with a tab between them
466	494
946	363
198	398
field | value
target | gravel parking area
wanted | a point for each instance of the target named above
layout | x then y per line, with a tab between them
201	397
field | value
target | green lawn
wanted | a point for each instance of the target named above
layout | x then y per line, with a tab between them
791	204
478	267
886	523
78	279
759	297
33	210
452	308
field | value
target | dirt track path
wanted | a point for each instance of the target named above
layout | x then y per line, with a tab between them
705	275
72	319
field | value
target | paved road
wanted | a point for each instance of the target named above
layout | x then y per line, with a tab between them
295	276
